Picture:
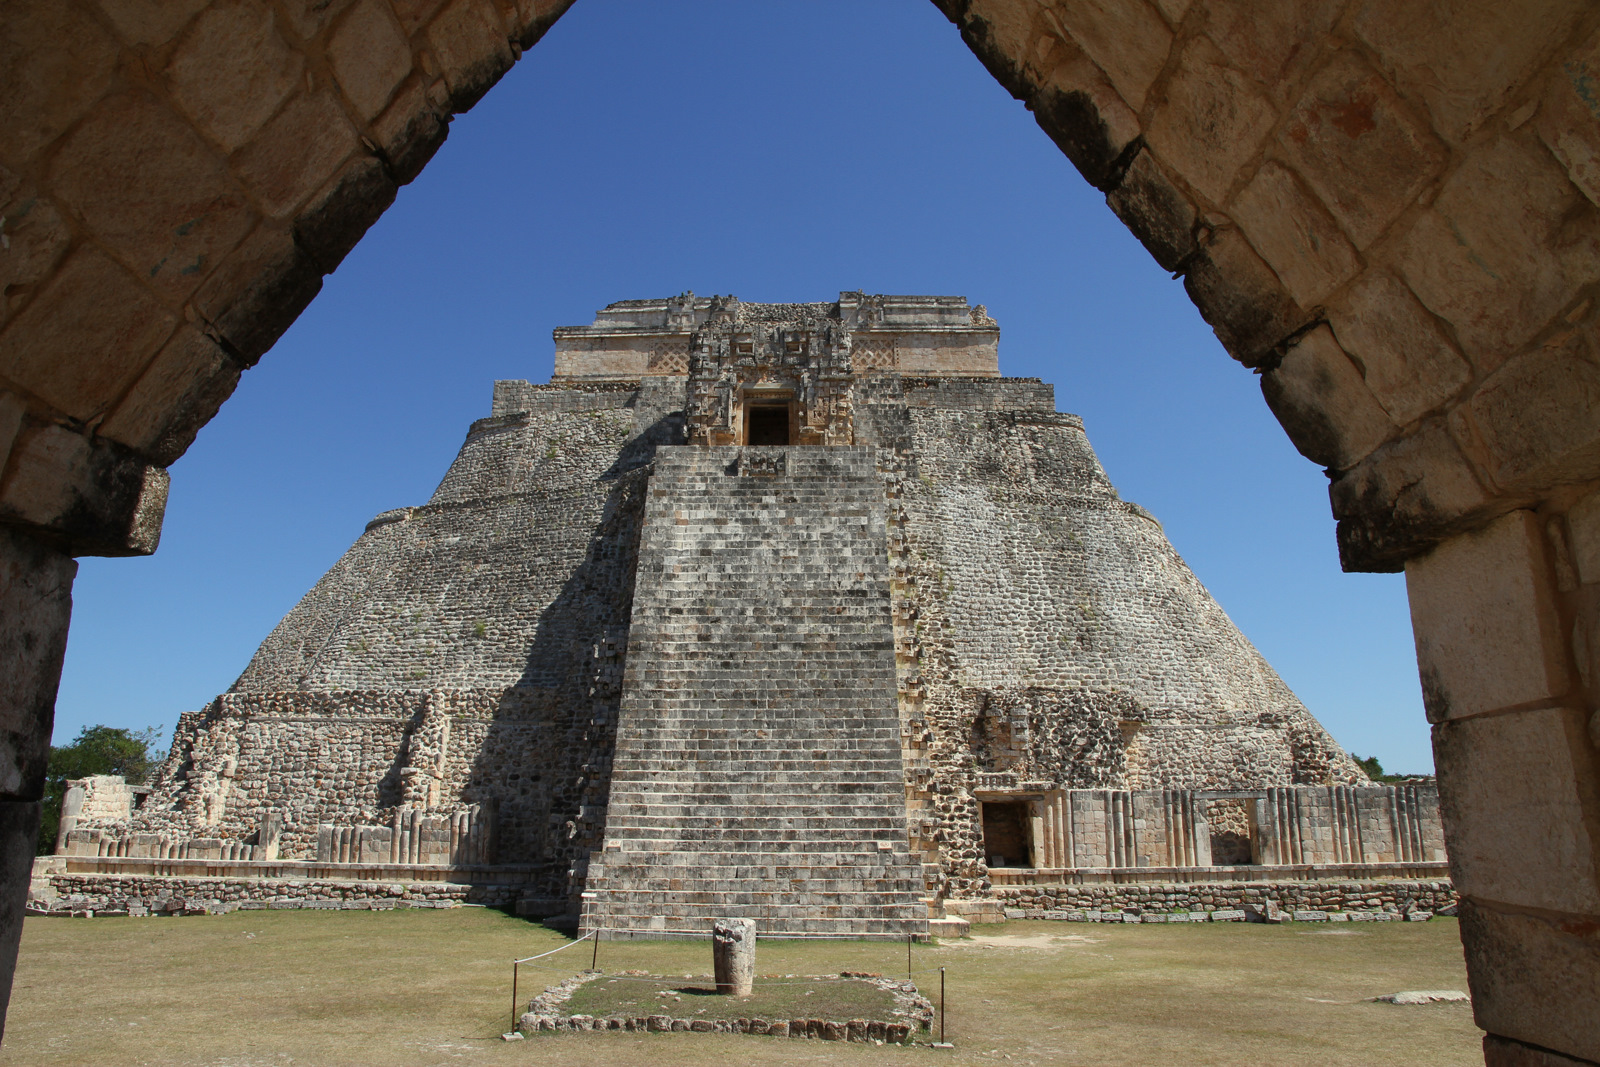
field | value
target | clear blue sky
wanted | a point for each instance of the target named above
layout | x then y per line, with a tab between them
779	151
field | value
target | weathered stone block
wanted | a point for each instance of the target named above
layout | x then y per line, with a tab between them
1268	41
36	238
1569	117
155	194
1583	529
150	22
1485	622
337	216
35	606
12	410
1402	498
1002	35
1214	121
473	50
1504	1052
296	152
53	66
1506	246
1129	41
410	131
1535	979
1157	211
1357	144
94	497
414	14
1080	111
1241	298
1514	791
1405	358
1294	234
232	69
1464	57
307	18
92	308
1533	422
370	56
258	291
19	829
534	17
177	394
1324	406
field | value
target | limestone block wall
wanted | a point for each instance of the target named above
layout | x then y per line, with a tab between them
634	339
1294	825
368	767
1047	631
457	671
105	796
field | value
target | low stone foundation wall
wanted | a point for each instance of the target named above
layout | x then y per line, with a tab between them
546	1014
1033	901
104	895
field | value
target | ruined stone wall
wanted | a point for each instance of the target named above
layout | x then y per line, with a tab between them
1363	899
466	652
1047	631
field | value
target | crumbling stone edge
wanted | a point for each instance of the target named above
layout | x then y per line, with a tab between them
1259	913
1180	901
545	1015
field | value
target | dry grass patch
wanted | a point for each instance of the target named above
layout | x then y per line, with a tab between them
288	988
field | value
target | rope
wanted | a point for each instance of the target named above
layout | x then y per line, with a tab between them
553	951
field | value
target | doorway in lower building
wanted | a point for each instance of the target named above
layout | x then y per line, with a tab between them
1006	841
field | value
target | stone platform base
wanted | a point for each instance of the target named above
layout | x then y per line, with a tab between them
1155	898
110	895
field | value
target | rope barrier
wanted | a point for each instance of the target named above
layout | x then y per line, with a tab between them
517	964
596	937
552	952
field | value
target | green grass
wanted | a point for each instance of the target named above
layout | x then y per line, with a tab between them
778	997
433	987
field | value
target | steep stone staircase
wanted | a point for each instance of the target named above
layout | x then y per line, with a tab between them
757	771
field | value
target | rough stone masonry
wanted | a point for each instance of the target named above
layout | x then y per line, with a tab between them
791	612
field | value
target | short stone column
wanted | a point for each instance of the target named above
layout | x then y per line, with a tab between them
733	955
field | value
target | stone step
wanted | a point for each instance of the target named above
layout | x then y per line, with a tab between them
772	905
761	606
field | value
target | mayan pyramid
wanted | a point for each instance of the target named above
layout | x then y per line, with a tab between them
748	611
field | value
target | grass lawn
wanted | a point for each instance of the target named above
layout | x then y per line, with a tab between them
433	987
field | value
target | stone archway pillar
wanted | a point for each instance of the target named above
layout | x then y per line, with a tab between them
35	607
1503	619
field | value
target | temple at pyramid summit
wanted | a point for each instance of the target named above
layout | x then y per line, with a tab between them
795	612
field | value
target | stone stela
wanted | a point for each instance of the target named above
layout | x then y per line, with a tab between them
799	614
733	956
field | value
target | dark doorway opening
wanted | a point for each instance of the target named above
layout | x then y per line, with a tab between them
767	424
1006	841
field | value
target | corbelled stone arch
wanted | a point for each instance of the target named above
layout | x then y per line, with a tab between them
1388	210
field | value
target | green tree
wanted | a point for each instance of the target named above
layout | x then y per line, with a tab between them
96	750
1376	772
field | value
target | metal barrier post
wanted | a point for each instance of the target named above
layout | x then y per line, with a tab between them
514	966
595	959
